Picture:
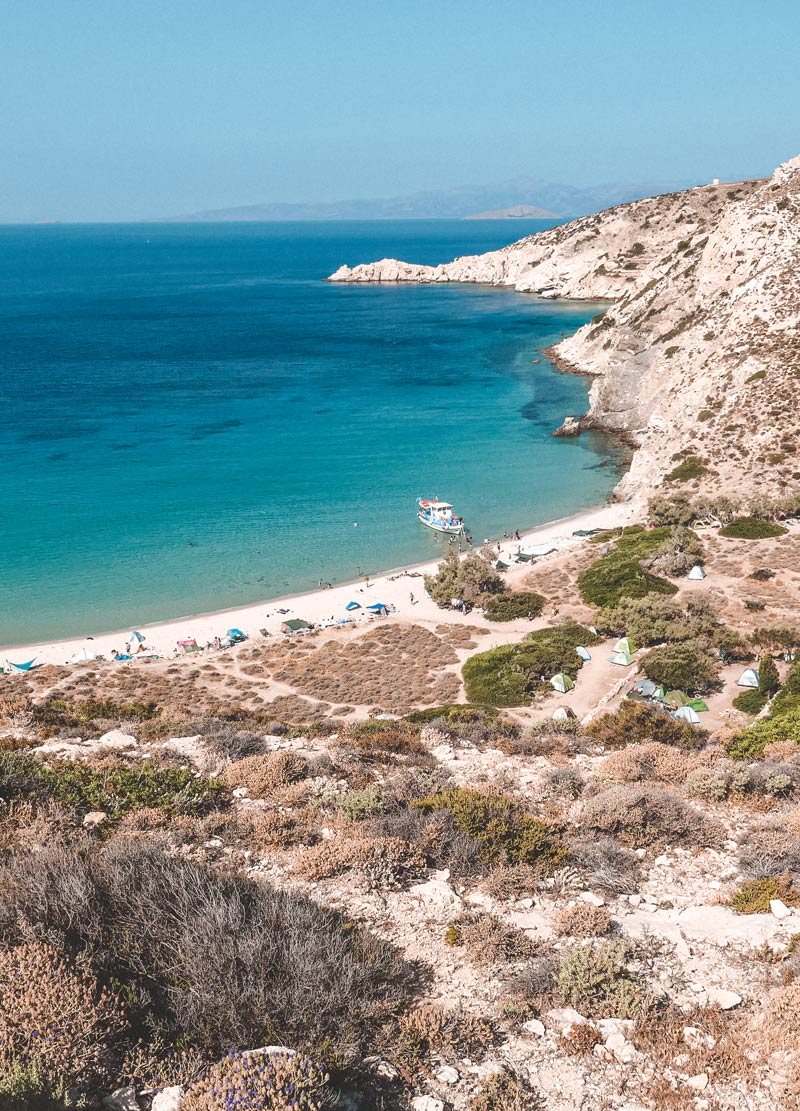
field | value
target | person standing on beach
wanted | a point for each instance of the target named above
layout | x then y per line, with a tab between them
366	580
411	597
358	571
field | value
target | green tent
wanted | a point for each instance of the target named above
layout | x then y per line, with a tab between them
661	693
624	659
562	683
625	644
698	704
677	698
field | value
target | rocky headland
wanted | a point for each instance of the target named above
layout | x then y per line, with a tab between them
696	358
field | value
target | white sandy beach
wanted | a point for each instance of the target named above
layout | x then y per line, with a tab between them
393	588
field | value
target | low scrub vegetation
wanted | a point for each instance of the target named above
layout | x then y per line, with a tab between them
688	666
752	528
636	722
512	605
642	816
470	579
620	573
513	673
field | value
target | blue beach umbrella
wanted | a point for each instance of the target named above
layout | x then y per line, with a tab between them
378	606
353	606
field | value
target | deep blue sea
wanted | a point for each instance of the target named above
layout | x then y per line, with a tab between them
191	418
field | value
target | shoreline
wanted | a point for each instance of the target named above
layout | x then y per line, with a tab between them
392	586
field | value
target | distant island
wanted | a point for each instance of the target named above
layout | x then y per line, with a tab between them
516	212
529	198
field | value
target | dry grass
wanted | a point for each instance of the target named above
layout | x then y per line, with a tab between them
581	920
261	775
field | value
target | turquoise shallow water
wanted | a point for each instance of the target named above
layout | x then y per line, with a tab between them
190	418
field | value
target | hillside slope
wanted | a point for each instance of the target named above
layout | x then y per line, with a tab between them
699	354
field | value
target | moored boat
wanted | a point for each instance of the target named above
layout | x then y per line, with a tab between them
439	516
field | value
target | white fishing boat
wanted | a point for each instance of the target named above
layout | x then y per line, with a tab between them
439	516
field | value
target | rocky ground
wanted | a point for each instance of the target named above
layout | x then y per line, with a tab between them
602	910
696	359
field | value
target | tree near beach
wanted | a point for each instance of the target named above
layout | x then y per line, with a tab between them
471	579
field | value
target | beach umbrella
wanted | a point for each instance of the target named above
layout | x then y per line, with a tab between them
686	713
353	606
562	683
625	644
136	638
377	606
236	634
677	698
583	653
82	655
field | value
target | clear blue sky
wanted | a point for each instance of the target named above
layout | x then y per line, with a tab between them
121	110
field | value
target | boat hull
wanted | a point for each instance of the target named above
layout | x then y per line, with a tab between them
440	526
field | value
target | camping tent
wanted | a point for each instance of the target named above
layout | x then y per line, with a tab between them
645	687
624	659
697	572
686	713
81	656
625	644
661	693
352	606
583	653
21	667
698	705
562	683
748	678
592	630
236	635
677	698
562	713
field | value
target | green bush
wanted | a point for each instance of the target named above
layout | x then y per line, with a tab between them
751	742
597	982
687	666
360	803
509	606
768	678
472	579
750	702
504	831
753	896
638	723
116	790
26	1088
675	510
620	574
690	468
511	674
656	617
455	713
751	528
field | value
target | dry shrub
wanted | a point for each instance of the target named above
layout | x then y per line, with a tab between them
277	829
207	956
581	920
512	881
277	1080
651	760
505	1091
703	1039
579	1040
447	1033
57	1016
771	850
607	867
261	775
489	941
781	1029
536	983
385	862
644	816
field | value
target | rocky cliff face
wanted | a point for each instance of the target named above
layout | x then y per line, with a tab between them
698	359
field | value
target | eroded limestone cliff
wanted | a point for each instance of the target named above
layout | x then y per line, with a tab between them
698	357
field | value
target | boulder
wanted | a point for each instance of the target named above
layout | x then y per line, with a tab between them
121	1099
725	1000
168	1099
448	1075
427	1103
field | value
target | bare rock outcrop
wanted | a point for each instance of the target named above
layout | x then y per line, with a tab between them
697	359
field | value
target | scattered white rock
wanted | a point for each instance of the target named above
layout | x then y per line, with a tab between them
427	1103
534	1026
448	1075
94	819
168	1099
436	891
779	908
592	899
565	1017
122	1099
698	1082
725	1000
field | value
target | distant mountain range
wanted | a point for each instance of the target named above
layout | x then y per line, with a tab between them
543	198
